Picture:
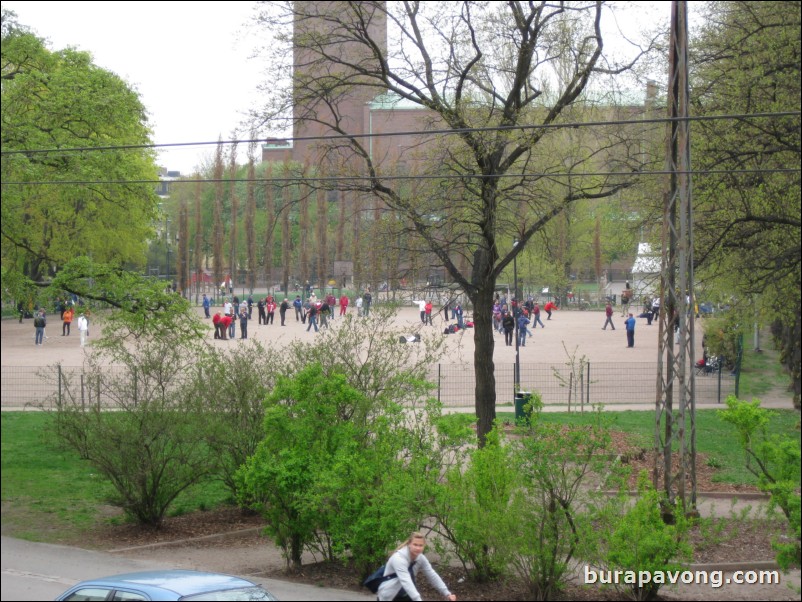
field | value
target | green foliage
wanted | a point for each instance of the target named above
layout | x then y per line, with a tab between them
231	388
640	540
722	335
473	508
61	99
140	426
746	209
559	468
313	473
775	460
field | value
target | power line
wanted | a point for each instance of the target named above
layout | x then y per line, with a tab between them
575	125
294	179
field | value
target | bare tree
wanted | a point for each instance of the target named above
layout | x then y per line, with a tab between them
217	245
250	217
198	252
233	246
484	72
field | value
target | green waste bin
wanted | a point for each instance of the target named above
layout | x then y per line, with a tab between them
521	399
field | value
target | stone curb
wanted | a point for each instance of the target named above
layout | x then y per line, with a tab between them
190	540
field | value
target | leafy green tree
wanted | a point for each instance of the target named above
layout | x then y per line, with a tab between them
747	210
54	211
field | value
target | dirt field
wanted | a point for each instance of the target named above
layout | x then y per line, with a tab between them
568	332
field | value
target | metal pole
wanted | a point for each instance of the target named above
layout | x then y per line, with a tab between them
517	334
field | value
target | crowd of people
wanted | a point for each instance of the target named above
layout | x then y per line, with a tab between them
312	312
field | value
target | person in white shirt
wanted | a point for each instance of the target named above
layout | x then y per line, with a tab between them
407	562
83	328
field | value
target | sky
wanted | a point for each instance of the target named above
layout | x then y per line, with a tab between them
188	60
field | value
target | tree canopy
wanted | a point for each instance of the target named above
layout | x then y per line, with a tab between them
51	209
748	212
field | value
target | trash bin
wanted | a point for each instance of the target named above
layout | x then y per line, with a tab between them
521	399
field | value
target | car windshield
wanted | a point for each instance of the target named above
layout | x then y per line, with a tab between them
240	593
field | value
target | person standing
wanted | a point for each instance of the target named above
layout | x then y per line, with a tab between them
69	313
324	311
232	325
458	316
445	311
260	308
359	307
243	323
608	311
206	305
250	306
422	307
630	324
550	307
83	329
217	325
312	317
282	310
298	305
523	322
367	300
332	302
626	296
39	323
343	304
536	317
406	563
270	308
428	312
508	325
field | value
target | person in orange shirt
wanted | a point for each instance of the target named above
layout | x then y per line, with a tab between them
549	307
69	314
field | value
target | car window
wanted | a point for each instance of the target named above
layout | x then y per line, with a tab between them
89	593
124	595
243	593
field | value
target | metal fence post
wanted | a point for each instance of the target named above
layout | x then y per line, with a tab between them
588	383
59	398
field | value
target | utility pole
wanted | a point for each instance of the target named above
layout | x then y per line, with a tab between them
675	408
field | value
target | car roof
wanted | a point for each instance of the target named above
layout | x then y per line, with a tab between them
182	582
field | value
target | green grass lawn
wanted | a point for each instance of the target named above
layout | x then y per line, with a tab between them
50	494
714	438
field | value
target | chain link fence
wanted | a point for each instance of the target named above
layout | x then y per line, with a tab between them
558	384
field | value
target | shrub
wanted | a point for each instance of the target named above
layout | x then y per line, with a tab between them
775	460
640	540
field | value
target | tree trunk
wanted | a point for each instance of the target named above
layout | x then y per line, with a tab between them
483	361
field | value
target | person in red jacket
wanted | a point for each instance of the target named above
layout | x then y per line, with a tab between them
216	322
343	304
226	322
550	307
608	311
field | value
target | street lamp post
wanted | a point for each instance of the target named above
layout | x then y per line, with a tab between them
517	375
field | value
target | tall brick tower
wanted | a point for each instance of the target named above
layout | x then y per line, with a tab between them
322	42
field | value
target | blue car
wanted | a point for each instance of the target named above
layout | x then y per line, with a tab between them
167	585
